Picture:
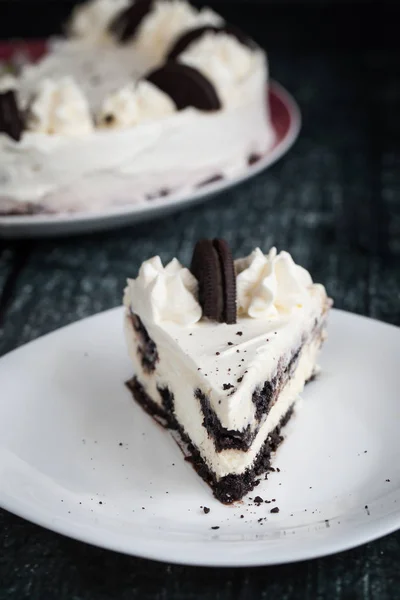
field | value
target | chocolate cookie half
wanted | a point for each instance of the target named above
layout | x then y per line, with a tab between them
213	267
187	38
186	86
126	24
10	117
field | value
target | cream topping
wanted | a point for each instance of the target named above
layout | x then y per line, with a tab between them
8	82
90	20
168	20
223	60
271	284
60	107
164	293
134	104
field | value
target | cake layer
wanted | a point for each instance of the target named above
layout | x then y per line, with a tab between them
224	388
226	450
227	489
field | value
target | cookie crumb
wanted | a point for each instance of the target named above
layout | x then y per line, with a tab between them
274	510
206	510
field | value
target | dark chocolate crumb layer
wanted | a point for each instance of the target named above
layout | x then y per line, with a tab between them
232	487
147	348
224	439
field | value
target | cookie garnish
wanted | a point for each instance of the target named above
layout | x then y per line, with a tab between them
10	117
213	267
183	41
124	27
186	86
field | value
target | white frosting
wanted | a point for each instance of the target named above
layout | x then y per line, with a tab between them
165	294
223	60
167	20
134	104
59	107
270	284
8	82
125	166
90	20
227	363
76	168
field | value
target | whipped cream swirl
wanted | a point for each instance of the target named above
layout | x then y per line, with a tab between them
222	59
167	20
134	104
60	107
164	293
268	285
91	19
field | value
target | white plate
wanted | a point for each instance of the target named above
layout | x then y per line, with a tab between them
286	120
64	413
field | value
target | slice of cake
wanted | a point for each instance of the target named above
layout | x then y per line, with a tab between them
221	353
143	99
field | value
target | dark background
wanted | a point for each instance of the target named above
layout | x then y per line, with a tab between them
333	201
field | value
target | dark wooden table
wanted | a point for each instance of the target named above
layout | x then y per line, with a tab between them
333	202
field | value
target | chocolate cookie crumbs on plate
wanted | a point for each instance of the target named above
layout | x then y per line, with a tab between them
258	500
274	510
206	510
215	527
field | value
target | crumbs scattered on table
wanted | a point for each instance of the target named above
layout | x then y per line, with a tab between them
206	510
274	510
258	500
215	527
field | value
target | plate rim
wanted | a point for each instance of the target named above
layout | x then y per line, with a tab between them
181	198
377	529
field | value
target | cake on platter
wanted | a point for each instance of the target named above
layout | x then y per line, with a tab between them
140	100
221	353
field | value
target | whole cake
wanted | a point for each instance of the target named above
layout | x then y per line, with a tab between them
221	353
140	100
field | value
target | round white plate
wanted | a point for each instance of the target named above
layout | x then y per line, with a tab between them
286	120
78	456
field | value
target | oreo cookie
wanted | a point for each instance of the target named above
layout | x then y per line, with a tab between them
214	269
11	121
126	24
186	86
182	42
